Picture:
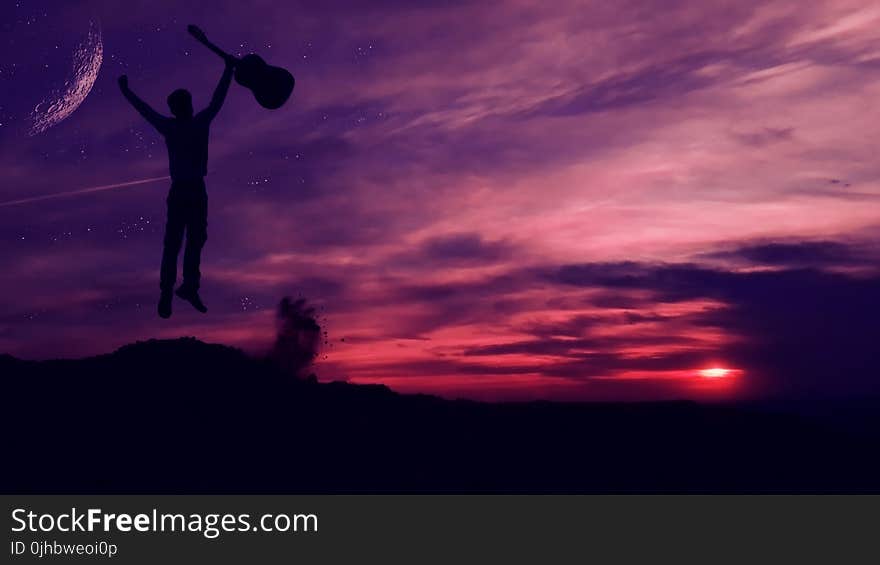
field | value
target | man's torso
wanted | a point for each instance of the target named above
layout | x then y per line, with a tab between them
187	142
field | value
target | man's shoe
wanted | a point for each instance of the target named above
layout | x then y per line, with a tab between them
165	305
191	296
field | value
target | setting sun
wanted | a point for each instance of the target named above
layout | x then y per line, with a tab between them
716	373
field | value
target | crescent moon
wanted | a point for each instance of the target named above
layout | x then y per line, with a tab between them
87	59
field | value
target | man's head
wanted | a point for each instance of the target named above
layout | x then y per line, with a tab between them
181	104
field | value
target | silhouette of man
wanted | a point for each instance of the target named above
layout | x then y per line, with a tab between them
186	136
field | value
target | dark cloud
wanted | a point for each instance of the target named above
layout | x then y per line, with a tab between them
765	136
669	282
620	300
638	318
480	290
584	348
458	249
668	79
576	326
800	254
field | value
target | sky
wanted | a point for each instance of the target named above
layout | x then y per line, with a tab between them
493	200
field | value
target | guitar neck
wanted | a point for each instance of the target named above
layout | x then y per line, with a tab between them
223	54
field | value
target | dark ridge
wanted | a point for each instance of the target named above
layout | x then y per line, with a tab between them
182	416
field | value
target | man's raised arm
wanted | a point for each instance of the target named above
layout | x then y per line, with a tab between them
155	118
221	90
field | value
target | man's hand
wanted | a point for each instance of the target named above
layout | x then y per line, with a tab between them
123	82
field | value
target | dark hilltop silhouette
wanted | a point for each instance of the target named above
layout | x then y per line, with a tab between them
167	416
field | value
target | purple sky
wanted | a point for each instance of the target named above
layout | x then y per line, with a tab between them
579	200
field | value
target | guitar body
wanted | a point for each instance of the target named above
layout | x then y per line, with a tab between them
270	85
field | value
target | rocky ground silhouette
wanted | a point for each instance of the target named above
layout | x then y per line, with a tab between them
182	416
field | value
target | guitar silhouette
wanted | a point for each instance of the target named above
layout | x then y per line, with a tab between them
270	85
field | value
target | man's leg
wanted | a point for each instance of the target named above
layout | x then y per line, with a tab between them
196	236
174	227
